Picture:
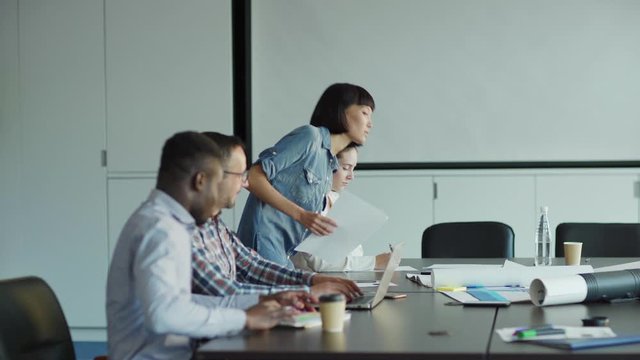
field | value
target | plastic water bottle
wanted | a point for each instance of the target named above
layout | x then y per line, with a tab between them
543	239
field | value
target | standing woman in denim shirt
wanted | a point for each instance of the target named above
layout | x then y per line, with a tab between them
289	181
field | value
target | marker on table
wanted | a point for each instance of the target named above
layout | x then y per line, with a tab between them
451	288
539	327
522	334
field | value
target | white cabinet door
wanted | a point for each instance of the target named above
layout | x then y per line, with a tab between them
168	70
127	193
57	212
407	198
10	134
588	198
507	199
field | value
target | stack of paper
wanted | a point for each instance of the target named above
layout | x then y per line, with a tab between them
509	274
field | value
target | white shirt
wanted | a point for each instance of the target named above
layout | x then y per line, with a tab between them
151	312
355	261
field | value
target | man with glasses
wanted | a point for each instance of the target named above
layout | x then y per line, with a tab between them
223	266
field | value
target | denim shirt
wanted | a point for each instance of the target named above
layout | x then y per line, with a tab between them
300	166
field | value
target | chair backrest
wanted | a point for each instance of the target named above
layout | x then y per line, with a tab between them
600	239
485	239
32	324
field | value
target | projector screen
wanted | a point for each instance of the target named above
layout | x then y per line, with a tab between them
457	80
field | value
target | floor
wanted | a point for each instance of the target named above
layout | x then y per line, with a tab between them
87	350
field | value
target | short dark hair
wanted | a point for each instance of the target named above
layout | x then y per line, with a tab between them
330	109
226	143
184	153
350	146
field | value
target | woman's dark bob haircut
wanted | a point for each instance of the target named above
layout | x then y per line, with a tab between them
330	109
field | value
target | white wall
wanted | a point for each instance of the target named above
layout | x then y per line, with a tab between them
457	80
168	67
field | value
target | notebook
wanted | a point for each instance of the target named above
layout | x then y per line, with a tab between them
369	300
307	320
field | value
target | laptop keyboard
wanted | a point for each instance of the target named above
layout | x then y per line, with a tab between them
361	299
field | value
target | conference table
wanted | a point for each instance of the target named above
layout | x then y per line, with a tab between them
428	325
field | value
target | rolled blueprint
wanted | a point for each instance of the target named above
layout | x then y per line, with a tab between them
514	275
591	287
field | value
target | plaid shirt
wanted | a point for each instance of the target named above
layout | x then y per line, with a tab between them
222	266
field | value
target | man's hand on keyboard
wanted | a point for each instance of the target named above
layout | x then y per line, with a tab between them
323	284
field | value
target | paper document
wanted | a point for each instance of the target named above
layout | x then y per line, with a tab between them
399	268
571	332
509	274
511	294
462	266
357	221
365	284
625	266
406	268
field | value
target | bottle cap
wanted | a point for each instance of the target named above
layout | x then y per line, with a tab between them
596	321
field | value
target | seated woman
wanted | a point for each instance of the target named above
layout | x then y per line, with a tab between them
355	261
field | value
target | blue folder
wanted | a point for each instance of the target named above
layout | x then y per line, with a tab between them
578	344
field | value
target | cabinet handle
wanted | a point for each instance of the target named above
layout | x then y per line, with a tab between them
103	158
435	191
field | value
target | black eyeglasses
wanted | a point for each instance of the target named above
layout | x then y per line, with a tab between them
243	175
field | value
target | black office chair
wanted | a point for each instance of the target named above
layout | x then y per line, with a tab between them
486	239
32	324
600	239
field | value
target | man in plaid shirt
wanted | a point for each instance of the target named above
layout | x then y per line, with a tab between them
222	265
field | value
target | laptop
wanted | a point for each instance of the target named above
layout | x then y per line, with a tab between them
369	300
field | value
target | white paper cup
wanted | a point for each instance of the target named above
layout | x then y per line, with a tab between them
572	253
332	307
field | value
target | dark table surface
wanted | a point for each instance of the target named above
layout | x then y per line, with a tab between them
422	326
624	319
418	326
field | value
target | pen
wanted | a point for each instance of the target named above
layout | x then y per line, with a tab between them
390	247
533	332
539	327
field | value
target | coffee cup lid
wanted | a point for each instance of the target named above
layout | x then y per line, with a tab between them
331	297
